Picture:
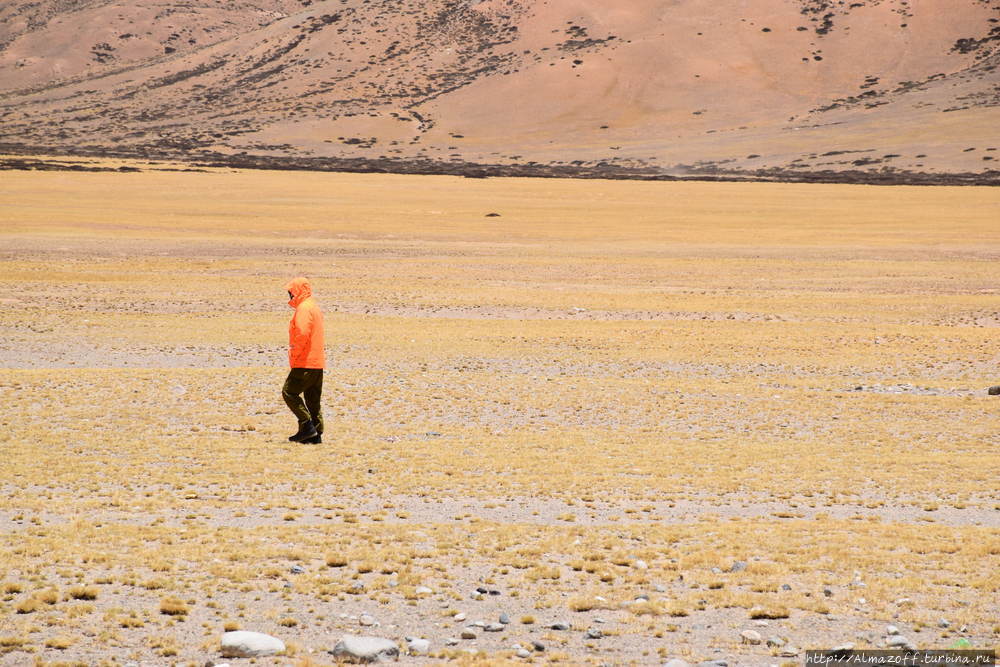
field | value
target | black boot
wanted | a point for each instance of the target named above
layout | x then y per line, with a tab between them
306	431
317	440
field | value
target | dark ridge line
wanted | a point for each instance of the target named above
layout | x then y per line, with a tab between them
428	167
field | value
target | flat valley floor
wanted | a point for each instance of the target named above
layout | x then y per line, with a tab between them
680	420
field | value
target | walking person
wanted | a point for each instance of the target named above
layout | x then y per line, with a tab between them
304	385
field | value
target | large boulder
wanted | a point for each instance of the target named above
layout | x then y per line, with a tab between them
364	649
243	644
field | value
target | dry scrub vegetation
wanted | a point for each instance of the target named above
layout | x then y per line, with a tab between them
740	404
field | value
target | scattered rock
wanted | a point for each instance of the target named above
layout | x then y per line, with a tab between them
538	646
788	652
676	662
641	564
994	390
451	641
460	616
297	569
523	653
468	634
560	626
775	641
244	644
495	627
750	637
423	590
366	620
505	619
492	215
713	663
786	587
738	566
891	630
944	623
364	649
827	591
418	646
594	633
899	641
659	588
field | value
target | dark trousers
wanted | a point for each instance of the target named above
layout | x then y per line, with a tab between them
304	383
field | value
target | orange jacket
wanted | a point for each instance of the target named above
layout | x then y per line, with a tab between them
305	329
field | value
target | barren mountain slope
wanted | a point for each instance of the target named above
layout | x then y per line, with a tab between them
661	86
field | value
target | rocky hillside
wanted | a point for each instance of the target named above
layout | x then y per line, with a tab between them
773	88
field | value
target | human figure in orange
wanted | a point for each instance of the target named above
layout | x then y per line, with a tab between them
307	360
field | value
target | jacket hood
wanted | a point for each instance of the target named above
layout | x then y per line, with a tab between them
300	289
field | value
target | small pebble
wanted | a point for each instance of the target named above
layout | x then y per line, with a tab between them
460	616
560	626
523	653
594	633
750	637
495	627
538	646
297	569
468	634
505	619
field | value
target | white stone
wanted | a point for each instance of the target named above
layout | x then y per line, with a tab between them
676	662
641	565
244	644
423	590
750	637
364	649
366	620
460	616
891	630
418	646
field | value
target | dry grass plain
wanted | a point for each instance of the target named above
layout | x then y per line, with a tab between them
613	389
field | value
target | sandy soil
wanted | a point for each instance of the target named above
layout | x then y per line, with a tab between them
761	406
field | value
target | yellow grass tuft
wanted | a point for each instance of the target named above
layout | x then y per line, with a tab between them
83	592
172	606
60	642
